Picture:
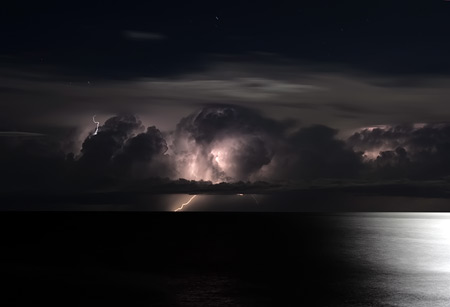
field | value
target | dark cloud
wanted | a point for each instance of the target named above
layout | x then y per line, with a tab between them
31	162
119	150
143	147
99	150
143	155
315	152
212	121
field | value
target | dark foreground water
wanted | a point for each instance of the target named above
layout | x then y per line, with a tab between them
225	259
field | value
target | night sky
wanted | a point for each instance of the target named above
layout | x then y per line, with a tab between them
246	93
306	144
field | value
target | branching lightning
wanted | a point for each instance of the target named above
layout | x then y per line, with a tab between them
185	204
97	123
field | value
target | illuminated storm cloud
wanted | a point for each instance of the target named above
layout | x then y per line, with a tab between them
415	138
416	151
224	144
229	144
218	144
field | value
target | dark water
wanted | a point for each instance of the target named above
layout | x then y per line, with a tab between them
225	259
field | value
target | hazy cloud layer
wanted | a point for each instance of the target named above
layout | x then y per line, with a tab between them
142	36
334	96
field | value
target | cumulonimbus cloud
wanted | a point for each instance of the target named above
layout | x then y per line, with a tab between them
226	143
415	150
122	147
221	143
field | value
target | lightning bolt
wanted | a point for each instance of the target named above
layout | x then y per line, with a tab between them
257	202
250	196
185	204
97	123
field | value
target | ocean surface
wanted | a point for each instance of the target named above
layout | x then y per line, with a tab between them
225	259
405	258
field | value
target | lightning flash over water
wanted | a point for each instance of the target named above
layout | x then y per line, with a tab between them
97	123
256	201
185	204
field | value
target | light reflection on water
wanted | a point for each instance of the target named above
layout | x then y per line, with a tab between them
406	255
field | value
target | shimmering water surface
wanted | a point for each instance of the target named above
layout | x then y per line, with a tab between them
226	259
406	256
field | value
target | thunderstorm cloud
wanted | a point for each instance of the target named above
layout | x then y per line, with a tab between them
223	143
